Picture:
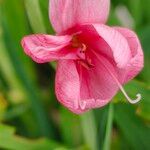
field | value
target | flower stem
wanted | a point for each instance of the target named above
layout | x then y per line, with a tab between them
107	140
89	130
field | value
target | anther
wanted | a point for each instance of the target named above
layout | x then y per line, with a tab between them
84	47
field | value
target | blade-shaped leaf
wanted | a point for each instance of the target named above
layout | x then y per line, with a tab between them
134	130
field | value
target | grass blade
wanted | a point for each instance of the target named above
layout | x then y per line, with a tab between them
107	140
89	130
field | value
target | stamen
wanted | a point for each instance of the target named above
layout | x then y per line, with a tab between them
83	47
84	64
89	61
80	104
77	33
132	101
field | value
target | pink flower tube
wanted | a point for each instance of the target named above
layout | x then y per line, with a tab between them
94	60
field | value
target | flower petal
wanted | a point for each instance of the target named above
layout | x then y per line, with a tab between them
107	41
46	48
97	83
65	14
80	89
117	42
67	84
136	62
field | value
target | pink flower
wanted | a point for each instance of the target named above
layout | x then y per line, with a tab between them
94	60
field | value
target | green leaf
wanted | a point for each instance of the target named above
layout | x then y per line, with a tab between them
35	17
45	13
8	72
144	35
14	112
70	128
136	10
133	129
134	87
12	39
107	140
8	140
145	11
13	15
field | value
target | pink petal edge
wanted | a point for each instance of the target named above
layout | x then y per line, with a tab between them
136	62
117	42
45	48
65	14
94	87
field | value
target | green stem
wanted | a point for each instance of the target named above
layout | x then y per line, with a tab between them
89	130
107	140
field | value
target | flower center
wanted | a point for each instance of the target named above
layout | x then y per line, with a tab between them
75	41
82	53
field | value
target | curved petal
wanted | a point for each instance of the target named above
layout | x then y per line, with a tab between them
65	14
67	84
45	48
107	41
136	62
97	84
116	42
80	89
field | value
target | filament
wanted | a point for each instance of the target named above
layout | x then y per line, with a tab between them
132	101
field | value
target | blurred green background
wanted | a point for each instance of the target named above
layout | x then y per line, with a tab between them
30	116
